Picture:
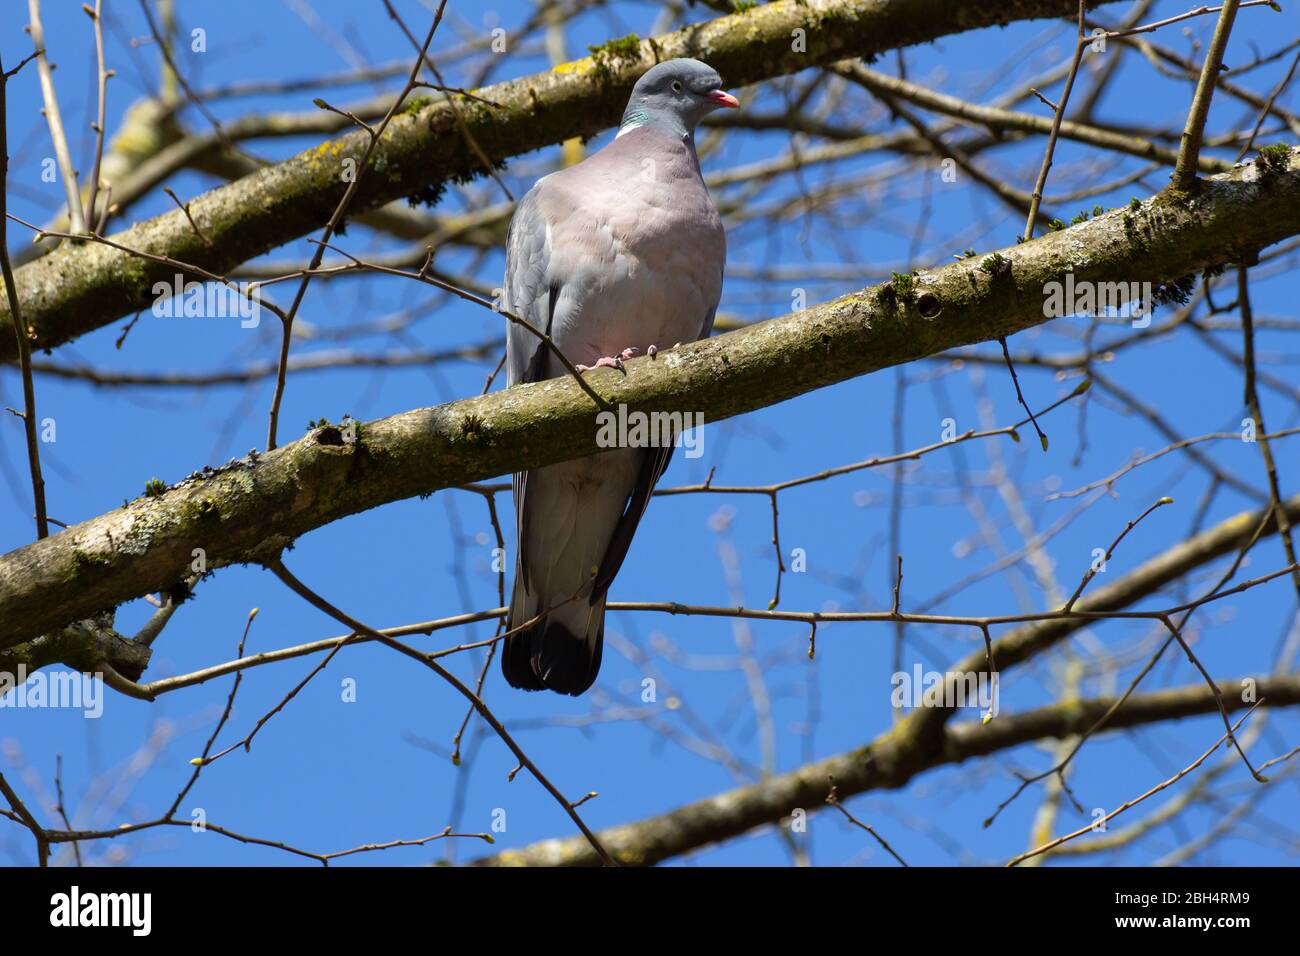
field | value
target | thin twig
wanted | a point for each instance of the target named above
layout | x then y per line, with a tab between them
279	570
165	49
102	77
1257	413
1092	827
286	332
76	216
1092	568
833	799
15	315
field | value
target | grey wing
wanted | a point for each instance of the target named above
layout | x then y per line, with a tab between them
707	329
527	296
654	462
708	323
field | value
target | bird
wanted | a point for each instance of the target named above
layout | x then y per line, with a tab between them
618	255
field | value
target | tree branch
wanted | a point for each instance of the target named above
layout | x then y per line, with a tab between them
887	763
248	510
1190	146
74	290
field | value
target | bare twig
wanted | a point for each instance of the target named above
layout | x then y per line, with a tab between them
76	216
330	227
277	567
1092	827
20	330
833	799
1257	413
103	75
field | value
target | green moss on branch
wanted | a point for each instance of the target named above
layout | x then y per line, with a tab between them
84	286
262	503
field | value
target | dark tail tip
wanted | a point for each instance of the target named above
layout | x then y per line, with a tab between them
516	663
549	656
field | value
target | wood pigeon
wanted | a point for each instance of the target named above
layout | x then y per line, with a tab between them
621	254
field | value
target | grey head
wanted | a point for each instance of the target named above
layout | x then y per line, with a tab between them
676	95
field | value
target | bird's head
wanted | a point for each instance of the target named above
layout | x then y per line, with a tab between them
676	94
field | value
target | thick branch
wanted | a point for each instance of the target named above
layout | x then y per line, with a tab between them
1190	145
78	288
887	763
249	510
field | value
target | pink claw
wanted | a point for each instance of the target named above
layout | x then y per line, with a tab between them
605	361
612	361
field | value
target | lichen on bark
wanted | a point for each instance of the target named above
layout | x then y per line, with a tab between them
266	501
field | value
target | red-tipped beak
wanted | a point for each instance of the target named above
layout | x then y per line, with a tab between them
724	99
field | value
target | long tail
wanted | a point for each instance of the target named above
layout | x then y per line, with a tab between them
560	652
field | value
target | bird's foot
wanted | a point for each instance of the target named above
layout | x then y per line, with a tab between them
611	361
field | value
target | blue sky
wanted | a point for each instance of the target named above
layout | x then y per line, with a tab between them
327	774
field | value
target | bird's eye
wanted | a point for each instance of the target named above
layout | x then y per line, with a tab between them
677	86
